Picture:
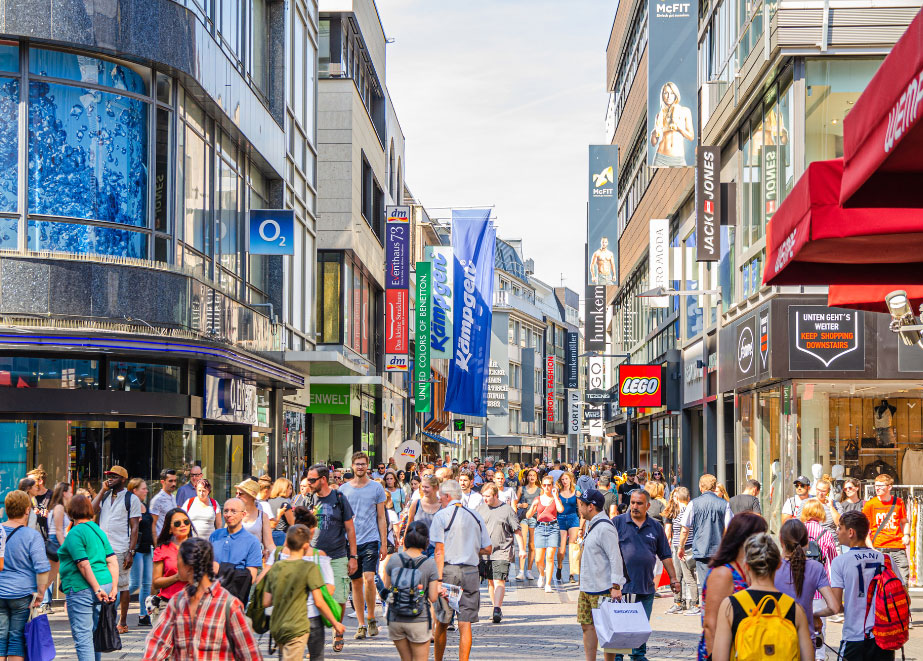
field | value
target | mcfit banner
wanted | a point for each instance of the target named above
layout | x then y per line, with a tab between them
397	296
474	241
671	83
443	284
603	215
421	385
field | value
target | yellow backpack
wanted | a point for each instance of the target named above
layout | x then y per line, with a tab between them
761	636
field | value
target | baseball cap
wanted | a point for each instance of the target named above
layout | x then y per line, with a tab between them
118	470
594	498
631	472
801	479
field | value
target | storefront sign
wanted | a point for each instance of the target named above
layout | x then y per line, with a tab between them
575	413
745	348
549	389
527	393
693	374
397	304
640	385
421	386
443	261
571	361
272	232
397	244
603	216
708	204
497	386
825	338
409	450
333	399
596	319
671	87
659	261
770	180
592	413
229	398
764	340
458	424
596	383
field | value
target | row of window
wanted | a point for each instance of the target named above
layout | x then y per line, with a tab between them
633	179
80	374
347	304
629	60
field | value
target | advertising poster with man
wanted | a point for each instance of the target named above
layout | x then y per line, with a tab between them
603	216
671	87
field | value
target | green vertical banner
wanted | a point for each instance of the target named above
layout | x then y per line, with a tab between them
421	386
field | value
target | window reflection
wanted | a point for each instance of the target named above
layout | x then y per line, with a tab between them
55	373
85	239
86	69
143	377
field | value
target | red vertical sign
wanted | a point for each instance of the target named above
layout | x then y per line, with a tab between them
549	389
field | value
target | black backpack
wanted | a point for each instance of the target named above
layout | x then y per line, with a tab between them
407	598
814	552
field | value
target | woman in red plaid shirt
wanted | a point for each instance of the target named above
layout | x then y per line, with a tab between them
203	622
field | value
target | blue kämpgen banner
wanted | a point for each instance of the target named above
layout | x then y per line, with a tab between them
474	240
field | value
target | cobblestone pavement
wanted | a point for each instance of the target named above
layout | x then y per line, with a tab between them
535	625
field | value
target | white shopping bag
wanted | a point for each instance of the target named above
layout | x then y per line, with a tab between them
621	626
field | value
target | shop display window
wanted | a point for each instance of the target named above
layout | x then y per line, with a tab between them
57	373
143	377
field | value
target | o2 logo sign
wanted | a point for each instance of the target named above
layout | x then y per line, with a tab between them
272	232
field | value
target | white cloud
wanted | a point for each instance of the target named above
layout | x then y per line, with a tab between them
498	101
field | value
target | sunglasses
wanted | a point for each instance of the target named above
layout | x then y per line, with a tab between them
184	522
799	485
312	480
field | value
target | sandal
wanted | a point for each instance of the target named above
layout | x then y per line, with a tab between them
122	629
338	642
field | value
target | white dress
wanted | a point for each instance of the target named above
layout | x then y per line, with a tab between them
202	516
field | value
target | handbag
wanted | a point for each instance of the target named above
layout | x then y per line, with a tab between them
332	603
621	625
39	643
106	637
52	546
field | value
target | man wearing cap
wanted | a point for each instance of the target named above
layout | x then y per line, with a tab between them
119	514
791	509
629	485
187	491
600	566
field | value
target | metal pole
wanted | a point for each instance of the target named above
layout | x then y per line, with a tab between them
720	449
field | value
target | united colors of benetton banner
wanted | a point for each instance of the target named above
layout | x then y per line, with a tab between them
474	241
421	385
603	216
671	84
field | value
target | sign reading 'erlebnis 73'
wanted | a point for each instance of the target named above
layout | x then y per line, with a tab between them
272	232
397	296
421	386
640	385
825	339
672	90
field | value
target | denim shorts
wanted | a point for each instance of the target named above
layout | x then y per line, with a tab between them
531	522
547	535
368	559
568	521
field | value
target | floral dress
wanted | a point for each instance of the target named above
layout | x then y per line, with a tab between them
740	583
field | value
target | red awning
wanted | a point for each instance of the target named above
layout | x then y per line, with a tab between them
871	297
883	134
812	240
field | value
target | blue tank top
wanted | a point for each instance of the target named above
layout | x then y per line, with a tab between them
570	505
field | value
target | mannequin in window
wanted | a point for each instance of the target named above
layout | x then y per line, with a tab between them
884	416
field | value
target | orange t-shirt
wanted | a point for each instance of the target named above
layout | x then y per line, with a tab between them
891	533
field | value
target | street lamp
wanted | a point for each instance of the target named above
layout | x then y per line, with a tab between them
721	467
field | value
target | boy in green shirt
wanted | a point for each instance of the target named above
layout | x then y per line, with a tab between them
288	585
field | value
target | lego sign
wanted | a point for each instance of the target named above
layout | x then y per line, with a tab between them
640	385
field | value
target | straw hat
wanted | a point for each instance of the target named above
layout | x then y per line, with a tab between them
249	487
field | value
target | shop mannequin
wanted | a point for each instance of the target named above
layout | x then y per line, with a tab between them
775	492
838	474
817	471
884	418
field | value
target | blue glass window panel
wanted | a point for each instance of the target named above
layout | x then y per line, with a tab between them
9	56
85	239
87	154
143	377
9	234
85	69
9	145
55	373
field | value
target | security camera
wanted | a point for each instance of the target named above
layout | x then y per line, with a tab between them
901	316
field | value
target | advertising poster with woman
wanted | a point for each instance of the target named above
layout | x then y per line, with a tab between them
672	122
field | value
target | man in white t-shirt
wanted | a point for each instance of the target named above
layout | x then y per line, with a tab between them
850	574
791	509
506	495
164	500
470	498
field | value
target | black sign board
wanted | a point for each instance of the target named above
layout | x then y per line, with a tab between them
592	413
570	361
596	318
458	424
708	204
825	338
764	340
746	349
597	396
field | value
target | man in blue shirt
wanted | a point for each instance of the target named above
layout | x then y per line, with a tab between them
236	550
641	542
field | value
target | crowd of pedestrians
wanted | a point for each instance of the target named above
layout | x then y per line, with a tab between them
412	548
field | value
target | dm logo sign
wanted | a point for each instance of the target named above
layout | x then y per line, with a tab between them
272	232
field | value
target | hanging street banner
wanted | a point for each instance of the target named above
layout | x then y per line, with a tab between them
603	216
707	204
549	389
571	361
397	295
421	386
659	261
672	44
640	385
527	393
443	262
574	413
474	241
595	317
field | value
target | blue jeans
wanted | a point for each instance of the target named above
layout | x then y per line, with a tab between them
83	614
14	613
278	537
140	578
640	653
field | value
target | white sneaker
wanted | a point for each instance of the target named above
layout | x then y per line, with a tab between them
351	614
521	576
548	588
530	575
541	581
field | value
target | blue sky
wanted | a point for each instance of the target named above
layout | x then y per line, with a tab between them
498	101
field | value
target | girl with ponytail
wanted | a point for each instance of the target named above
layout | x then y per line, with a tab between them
804	579
203	619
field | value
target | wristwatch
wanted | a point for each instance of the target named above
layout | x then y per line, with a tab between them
353	557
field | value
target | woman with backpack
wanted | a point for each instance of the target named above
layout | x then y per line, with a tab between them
804	579
726	574
814	516
142	569
412	579
203	510
424	508
779	622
